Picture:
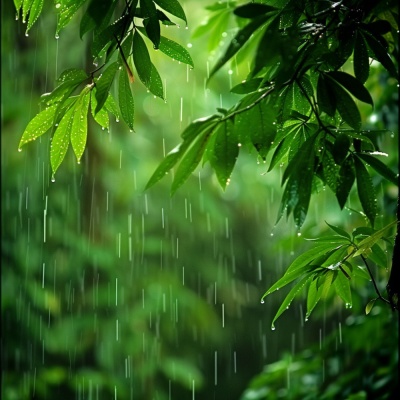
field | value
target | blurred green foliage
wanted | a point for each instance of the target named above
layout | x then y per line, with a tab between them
112	292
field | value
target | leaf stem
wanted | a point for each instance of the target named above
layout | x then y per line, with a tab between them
373	281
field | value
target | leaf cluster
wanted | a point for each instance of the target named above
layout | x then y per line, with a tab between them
122	34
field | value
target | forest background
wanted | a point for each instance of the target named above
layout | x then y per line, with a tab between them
111	291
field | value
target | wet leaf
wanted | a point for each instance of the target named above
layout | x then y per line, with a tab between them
297	288
361	59
326	96
345	181
60	140
102	116
366	190
79	123
175	51
173	7
346	106
96	16
353	85
224	152
34	13
252	10
39	125
238	41
66	11
125	99
103	85
380	167
342	287
152	24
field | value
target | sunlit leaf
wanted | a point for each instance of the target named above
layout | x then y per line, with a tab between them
173	7
80	124
369	306
60	140
66	11
175	51
39	125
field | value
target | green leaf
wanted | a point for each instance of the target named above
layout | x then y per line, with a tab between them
346	106
301	265
111	106
175	51
361	59
369	241
34	13
103	85
225	151
102	116
313	295
256	126
79	123
380	167
378	256
66	11
341	147
326	96
152	24
345	180
340	231
60	140
68	81
96	16
125	99
252	10
173	7
155	85
380	53
26	6
369	306
247	86
238	42
191	159
342	287
366	190
290	296
39	125
353	85
194	130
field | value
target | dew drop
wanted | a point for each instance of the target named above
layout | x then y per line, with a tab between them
26	33
57	36
272	327
19	149
262	301
53	179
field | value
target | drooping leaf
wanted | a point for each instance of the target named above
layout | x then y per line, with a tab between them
103	85
343	290
341	232
353	85
96	16
152	24
224	152
252	10
60	140
191	159
125	99
369	306
34	13
341	148
173	7
366	190
238	42
345	181
79	123
326	96
379	52
380	167
193	131
101	117
361	59
175	51
66	11
247	86
346	106
297	288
